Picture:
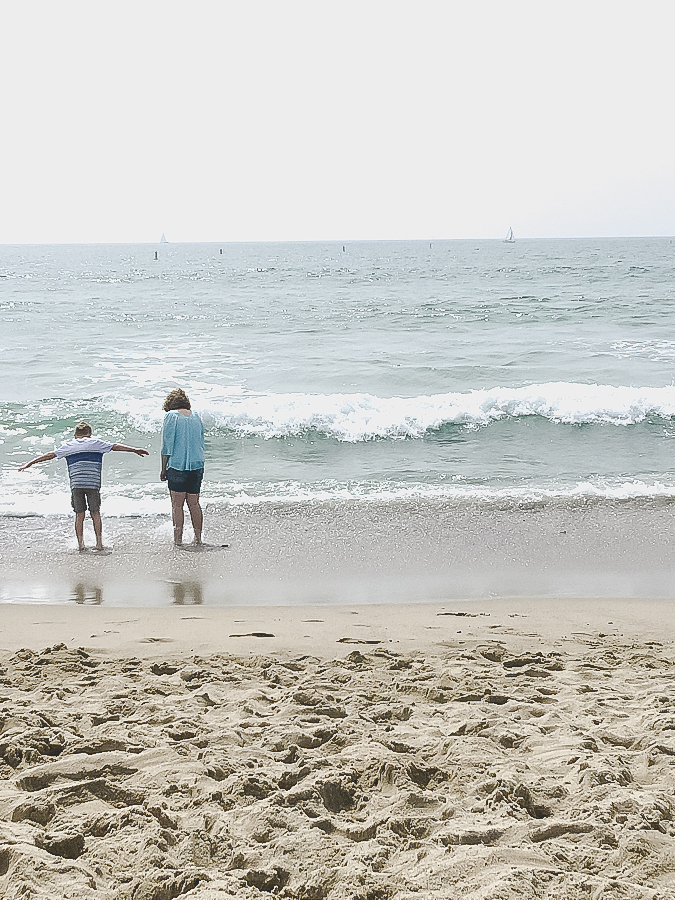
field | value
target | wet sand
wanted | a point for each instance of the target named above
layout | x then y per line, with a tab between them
345	553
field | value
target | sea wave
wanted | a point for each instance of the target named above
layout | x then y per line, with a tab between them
361	417
350	417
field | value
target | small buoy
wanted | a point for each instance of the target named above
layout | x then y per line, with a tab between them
221	251
155	254
343	248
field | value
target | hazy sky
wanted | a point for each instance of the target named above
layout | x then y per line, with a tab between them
291	120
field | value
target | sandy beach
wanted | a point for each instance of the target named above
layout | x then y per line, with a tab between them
519	748
255	721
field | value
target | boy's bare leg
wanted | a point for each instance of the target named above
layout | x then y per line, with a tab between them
196	516
79	530
98	529
177	501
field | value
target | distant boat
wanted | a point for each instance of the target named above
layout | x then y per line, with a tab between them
509	239
163	239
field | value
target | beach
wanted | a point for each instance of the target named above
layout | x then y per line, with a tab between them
253	731
427	648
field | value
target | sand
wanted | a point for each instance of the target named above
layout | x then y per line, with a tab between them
351	701
513	748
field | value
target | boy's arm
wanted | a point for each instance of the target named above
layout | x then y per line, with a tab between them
138	450
43	458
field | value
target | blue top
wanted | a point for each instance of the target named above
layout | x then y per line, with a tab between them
183	441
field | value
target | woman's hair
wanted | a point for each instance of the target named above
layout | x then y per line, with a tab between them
177	400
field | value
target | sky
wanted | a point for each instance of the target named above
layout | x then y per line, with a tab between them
257	120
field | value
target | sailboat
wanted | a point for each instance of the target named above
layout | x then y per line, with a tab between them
163	239
509	239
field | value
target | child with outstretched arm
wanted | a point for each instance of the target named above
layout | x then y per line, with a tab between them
84	456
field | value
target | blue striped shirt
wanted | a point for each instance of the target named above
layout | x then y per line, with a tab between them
84	457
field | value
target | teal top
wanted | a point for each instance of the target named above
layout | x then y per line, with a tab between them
183	441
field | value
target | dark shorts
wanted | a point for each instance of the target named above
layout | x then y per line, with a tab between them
81	498
185	482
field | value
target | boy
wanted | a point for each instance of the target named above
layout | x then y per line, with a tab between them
84	455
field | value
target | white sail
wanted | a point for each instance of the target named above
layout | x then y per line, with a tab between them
509	239
163	239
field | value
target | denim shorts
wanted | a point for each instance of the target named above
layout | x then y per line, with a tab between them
185	482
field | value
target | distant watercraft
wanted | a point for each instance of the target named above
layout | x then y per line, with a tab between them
509	239
163	239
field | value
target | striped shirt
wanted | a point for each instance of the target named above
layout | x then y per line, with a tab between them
85	460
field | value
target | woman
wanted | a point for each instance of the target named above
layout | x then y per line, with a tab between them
183	462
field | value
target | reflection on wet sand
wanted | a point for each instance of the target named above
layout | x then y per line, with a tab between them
187	593
87	593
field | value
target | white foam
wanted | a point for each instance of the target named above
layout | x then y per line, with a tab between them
361	417
54	503
134	501
293	492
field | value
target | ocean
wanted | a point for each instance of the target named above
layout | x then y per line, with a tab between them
474	370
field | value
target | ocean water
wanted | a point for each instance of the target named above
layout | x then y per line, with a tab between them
476	371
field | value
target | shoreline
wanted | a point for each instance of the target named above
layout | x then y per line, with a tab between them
345	553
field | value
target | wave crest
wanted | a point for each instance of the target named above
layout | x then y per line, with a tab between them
359	417
362	417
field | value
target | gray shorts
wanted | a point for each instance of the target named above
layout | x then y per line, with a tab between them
81	498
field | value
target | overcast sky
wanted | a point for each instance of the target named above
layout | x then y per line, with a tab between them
289	120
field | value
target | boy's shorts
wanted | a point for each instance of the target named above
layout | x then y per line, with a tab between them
185	482
81	498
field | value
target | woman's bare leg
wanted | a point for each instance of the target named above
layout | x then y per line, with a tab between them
196	515
177	501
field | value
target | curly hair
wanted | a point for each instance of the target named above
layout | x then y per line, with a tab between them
177	399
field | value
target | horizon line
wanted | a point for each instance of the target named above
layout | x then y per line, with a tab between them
596	237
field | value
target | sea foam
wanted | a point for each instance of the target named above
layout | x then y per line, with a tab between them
153	501
361	417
